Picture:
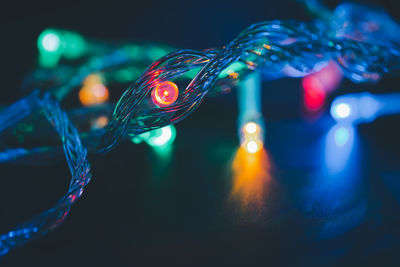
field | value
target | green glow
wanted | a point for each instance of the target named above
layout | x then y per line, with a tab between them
156	52
132	50
54	44
137	140
50	48
127	75
160	138
74	45
191	73
48	59
49	40
163	152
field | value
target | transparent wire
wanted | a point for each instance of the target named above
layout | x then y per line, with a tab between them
356	37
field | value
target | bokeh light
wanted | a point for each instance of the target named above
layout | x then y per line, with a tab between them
340	111
319	84
100	122
162	137
252	147
93	92
251	128
49	41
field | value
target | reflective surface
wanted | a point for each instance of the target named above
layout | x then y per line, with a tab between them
319	192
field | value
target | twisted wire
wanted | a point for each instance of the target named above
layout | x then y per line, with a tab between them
295	48
76	156
289	48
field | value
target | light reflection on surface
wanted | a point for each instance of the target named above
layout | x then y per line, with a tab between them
251	176
336	195
339	147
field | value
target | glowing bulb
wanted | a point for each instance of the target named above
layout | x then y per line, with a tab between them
252	147
161	137
342	135
93	91
341	111
74	45
165	94
251	128
99	122
49	41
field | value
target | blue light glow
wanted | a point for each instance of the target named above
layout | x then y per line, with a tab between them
341	111
341	136
339	147
358	108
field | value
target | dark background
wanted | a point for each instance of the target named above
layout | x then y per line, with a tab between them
139	212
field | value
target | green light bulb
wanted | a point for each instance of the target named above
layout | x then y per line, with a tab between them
49	41
74	45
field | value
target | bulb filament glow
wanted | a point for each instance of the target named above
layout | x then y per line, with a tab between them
165	94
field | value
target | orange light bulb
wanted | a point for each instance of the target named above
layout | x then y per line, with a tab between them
165	94
93	91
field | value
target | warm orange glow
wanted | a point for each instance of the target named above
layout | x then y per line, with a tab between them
252	138
100	122
267	46
165	94
251	128
251	177
233	75
93	91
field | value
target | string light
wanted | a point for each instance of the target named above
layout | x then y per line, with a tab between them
165	94
161	137
49	41
251	128
252	147
275	47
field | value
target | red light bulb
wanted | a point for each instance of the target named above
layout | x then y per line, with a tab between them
165	94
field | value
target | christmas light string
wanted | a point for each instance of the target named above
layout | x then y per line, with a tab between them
76	156
277	48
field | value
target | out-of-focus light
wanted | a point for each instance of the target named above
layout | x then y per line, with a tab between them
50	48
251	178
74	45
340	142
164	137
100	122
251	128
362	107
165	94
55	44
341	136
319	84
341	111
251	137
252	147
93	91
232	71
127	75
49	41
314	96
161	137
